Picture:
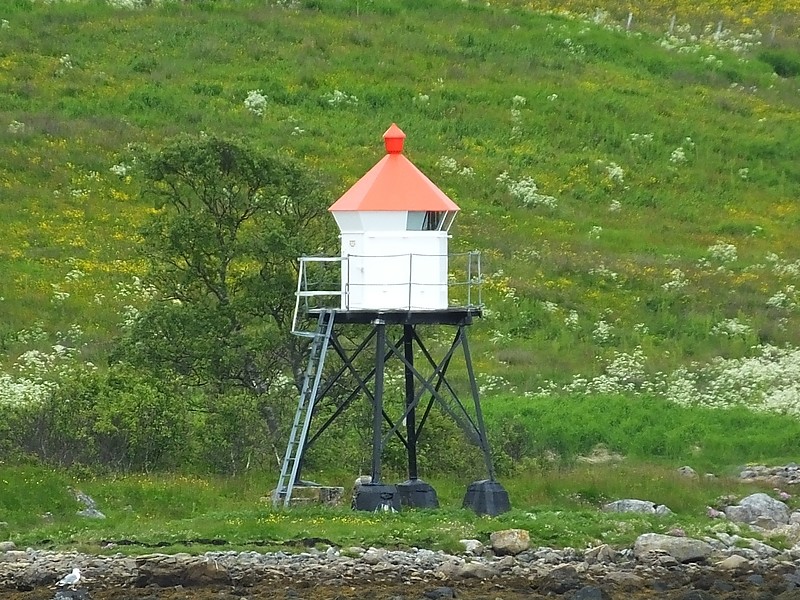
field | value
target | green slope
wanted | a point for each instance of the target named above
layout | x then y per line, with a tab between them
671	162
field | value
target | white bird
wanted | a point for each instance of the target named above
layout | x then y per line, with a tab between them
70	580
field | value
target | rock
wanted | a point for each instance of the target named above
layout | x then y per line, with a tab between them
474	547
763	550
600	554
631	505
682	549
733	563
560	580
374	555
687	471
85	499
591	592
475	570
6	546
206	571
91	513
625	580
510	541
439	593
756	506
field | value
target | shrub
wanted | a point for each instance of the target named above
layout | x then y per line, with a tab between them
116	419
784	62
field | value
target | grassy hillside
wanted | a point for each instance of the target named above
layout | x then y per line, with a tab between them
631	178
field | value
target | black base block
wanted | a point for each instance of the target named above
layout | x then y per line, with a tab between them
377	497
487	497
416	493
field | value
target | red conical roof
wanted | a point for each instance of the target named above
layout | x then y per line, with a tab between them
394	183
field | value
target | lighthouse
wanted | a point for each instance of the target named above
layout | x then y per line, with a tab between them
394	225
395	273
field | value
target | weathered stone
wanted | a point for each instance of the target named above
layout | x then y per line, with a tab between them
631	505
600	554
6	546
591	592
472	547
758	505
475	570
560	580
510	541
682	549
205	572
316	494
440	593
687	471
733	563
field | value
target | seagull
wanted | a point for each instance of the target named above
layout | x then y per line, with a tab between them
70	580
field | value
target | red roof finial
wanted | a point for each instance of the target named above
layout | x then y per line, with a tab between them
393	138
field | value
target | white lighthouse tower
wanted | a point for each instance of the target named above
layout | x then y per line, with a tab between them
394	225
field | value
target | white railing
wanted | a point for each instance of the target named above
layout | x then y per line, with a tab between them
319	282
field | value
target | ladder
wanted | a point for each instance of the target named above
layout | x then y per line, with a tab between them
305	406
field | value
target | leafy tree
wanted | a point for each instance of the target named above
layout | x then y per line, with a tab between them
221	247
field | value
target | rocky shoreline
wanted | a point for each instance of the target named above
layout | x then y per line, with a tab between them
660	566
738	559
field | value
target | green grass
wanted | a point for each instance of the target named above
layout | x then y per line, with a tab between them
144	75
644	429
156	513
83	80
540	446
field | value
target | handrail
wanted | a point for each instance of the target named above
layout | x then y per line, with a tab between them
305	291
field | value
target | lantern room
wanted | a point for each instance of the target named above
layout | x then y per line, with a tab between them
394	225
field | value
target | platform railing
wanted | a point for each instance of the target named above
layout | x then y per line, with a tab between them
322	288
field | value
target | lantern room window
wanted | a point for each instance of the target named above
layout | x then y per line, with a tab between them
429	220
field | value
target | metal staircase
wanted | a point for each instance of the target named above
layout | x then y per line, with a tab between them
320	339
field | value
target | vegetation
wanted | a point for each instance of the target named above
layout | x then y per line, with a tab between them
629	176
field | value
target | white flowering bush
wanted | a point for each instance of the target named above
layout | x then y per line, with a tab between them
120	170
641	138
571	320
256	102
338	98
782	267
615	173
723	252
682	40
603	332
35	373
678	156
788	298
677	280
16	127
526	191
450	165
731	328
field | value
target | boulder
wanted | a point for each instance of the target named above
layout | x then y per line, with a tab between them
682	549
759	507
733	563
474	547
510	541
600	554
632	505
